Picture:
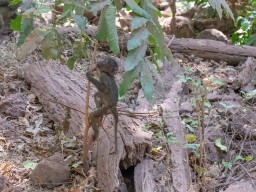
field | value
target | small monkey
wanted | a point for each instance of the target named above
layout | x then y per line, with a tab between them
107	96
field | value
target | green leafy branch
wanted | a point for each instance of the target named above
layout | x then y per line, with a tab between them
146	35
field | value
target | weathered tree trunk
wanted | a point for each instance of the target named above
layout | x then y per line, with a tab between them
62	93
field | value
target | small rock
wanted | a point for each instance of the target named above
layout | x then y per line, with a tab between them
214	96
51	172
186	107
184	27
178	55
246	79
228	95
213	34
14	106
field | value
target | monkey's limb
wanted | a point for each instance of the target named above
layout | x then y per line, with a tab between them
95	115
100	86
97	100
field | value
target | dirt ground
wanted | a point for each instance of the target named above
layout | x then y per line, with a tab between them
27	134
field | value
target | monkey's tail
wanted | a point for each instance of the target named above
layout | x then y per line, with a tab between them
115	114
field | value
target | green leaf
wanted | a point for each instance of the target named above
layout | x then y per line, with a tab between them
212	3
227	164
25	5
76	165
248	158
15	2
138	22
155	73
216	4
216	81
207	104
169	134
238	19
170	138
128	78
137	9
238	157
118	4
151	6
151	40
29	164
220	146
51	45
147	81
249	95
185	79
80	21
156	149
97	6
44	9
79	4
26	28
101	34
66	12
138	36
51	53
71	62
226	7
159	134
218	9
134	57
191	146
190	128
245	24
161	50
16	24
157	34
112	36
190	138
251	40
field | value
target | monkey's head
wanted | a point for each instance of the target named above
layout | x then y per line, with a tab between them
108	65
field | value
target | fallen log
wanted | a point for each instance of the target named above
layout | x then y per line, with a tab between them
143	177
180	174
178	179
204	48
62	93
216	50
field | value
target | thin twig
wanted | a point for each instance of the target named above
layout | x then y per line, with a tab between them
171	41
247	173
87	125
